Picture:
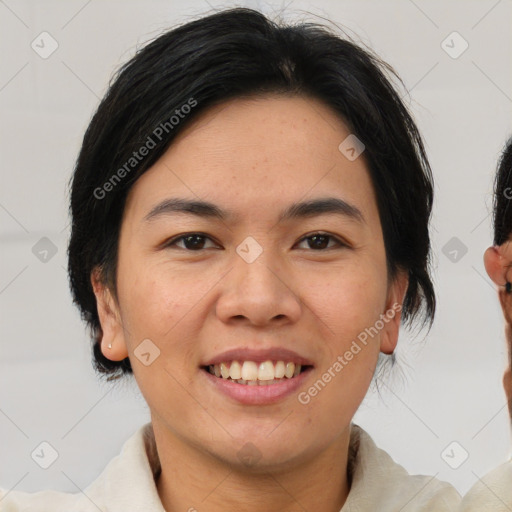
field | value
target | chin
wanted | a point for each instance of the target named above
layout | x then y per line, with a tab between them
266	460
260	452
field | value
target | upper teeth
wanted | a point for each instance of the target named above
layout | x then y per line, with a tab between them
251	371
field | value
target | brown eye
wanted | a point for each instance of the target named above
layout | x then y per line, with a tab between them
191	242
320	241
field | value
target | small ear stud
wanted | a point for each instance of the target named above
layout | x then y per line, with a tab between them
110	344
508	287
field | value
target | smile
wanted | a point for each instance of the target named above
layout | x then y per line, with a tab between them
251	373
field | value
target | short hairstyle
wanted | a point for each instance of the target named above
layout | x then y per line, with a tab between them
237	53
502	208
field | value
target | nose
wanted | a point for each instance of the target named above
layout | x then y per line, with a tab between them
258	293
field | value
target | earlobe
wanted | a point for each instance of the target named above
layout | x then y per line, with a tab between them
393	314
113	345
495	265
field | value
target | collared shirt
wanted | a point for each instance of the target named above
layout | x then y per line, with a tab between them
491	493
127	484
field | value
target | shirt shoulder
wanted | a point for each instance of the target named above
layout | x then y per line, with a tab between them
112	490
491	493
42	501
380	483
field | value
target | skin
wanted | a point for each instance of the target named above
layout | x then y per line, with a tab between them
254	156
498	263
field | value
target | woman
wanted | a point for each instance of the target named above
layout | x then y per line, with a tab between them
493	492
250	214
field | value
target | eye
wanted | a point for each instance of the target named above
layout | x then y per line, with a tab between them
196	241
191	241
319	241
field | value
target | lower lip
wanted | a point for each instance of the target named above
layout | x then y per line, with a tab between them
257	395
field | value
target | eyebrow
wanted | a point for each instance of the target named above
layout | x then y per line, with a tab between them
305	209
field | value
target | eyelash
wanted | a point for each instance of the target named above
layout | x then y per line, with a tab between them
173	241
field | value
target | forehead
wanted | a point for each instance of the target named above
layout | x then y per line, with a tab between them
301	123
257	153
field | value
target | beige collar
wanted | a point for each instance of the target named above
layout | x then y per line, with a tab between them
128	483
377	482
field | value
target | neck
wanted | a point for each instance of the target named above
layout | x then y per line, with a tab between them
192	480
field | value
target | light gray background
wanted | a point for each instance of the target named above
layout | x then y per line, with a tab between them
448	387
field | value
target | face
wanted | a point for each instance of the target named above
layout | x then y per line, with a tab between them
498	263
248	278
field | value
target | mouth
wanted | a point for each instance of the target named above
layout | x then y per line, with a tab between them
253	373
256	377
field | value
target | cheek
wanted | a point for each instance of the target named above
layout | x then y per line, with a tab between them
506	302
346	299
507	382
349	306
156	298
159	305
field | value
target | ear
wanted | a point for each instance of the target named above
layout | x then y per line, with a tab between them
110	319
495	265
393	312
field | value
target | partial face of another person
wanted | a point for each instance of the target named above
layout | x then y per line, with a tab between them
498	263
253	279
